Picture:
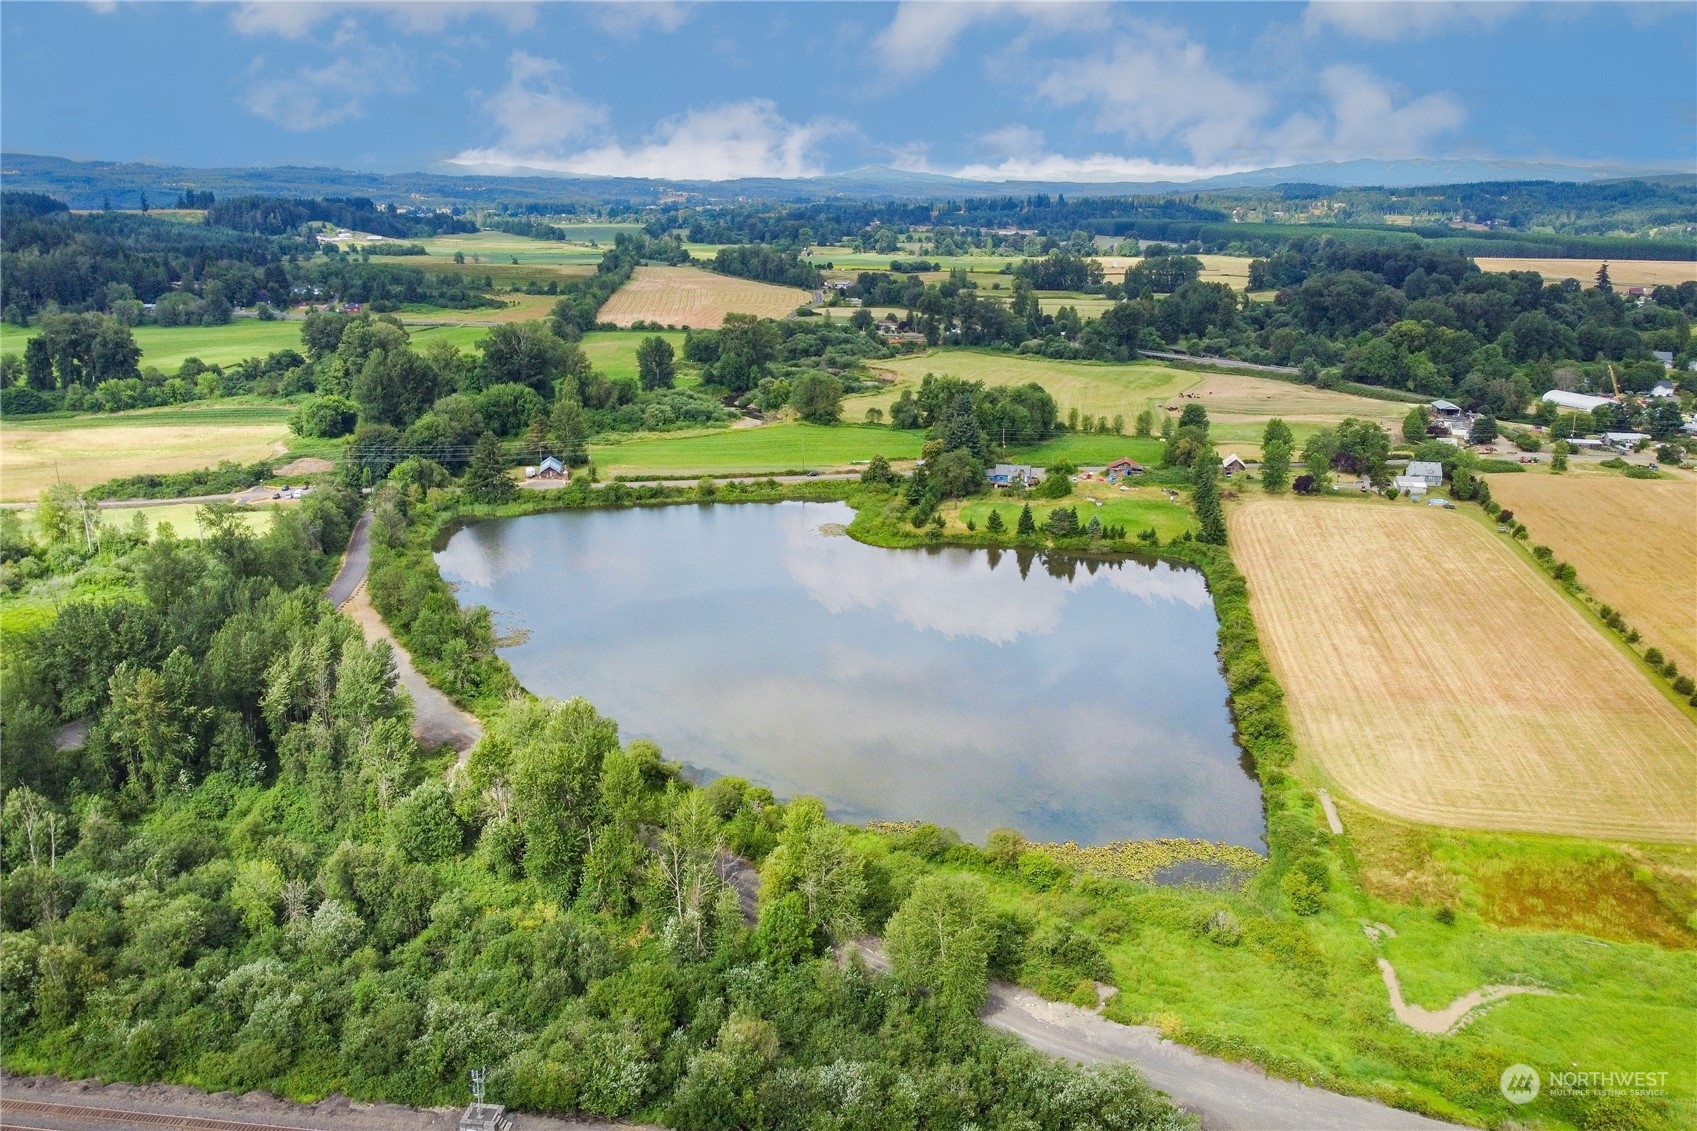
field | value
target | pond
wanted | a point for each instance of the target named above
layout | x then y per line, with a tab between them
1070	699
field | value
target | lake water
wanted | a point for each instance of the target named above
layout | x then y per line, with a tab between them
1072	700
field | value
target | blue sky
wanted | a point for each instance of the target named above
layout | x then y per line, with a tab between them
712	90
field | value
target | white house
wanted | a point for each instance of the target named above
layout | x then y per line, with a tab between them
1624	438
1575	402
1428	472
1411	485
1662	389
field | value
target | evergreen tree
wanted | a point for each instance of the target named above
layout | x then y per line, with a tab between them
1603	283
1206	499
1027	525
1414	425
994	523
486	477
960	426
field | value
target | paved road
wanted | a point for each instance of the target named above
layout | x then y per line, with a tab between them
1220	362
1228	1096
354	563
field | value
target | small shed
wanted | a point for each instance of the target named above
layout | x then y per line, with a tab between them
1232	464
550	468
1428	472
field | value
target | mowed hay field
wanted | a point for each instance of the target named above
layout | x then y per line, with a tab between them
1437	677
1622	272
1633	541
84	451
689	296
1239	406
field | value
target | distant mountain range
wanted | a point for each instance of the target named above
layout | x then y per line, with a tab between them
90	184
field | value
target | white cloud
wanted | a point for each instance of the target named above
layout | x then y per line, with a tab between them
534	112
312	97
723	142
1394	20
1097	167
294	19
1161	89
923	32
1367	122
628	21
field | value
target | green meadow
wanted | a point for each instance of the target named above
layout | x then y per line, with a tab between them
767	450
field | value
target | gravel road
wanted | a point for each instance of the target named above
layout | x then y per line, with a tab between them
1228	1096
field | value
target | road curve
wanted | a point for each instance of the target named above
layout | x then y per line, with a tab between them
1227	1096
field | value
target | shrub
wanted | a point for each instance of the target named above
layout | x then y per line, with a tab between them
1301	892
1222	928
1003	847
1040	870
1445	915
1684	685
1653	657
424	825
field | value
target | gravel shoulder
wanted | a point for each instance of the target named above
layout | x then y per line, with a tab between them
88	1105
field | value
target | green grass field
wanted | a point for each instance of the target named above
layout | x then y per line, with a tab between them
613	352
769	449
1138	511
1090	450
167	347
1091	387
497	248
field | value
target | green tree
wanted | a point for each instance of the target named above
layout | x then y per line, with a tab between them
568	427
956	473
1027	527
939	943
817	397
994	523
1483	429
654	363
1205	497
486	479
813	859
1414	424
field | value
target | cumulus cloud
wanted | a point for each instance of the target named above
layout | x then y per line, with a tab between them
629	20
294	19
923	32
546	127
314	96
534	111
1103	168
1396	20
1161	89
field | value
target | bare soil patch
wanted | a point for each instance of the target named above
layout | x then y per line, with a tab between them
689	296
306	465
1633	541
1437	677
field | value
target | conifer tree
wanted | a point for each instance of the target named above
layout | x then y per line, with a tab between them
1027	524
486	477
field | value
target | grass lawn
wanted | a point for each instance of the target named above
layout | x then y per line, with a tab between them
1090	450
613	352
769	449
1136	509
1096	388
167	347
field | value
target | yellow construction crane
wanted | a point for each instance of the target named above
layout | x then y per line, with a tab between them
1612	380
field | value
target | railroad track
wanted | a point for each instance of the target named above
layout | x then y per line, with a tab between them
41	1115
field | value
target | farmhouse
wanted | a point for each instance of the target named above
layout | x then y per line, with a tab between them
1430	474
1123	466
1008	474
1578	402
1232	463
1624	439
1411	485
1662	389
